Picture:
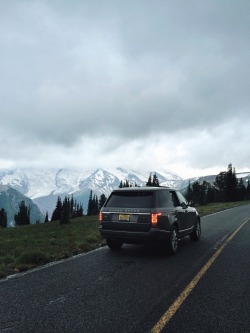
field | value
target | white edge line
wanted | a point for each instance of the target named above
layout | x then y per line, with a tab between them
52	263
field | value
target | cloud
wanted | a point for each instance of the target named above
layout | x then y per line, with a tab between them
116	76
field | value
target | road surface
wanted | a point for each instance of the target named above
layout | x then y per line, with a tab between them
204	288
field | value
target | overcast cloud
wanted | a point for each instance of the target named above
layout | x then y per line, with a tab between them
141	84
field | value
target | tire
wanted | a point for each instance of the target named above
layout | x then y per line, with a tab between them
173	241
196	234
114	245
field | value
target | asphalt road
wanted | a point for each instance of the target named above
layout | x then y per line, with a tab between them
204	288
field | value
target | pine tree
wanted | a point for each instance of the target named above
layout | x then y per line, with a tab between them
46	217
23	215
65	215
79	210
155	180
241	190
221	186
248	190
231	184
189	192
95	206
102	201
3	218
56	215
149	182
90	204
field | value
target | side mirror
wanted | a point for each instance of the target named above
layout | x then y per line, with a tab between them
190	203
184	205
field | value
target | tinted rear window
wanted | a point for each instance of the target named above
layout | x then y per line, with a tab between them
163	199
131	200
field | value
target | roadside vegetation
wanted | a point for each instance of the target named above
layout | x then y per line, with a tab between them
29	246
218	207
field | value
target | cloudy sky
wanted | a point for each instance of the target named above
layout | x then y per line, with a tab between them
140	84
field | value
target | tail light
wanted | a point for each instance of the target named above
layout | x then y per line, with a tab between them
100	217
154	218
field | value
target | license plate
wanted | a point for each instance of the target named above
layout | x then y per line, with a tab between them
124	217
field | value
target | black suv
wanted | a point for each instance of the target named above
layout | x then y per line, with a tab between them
148	214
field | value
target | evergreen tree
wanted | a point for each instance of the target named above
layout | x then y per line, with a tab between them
23	215
189	192
72	205
46	217
95	205
226	187
90	205
3	218
65	215
102	201
221	186
149	182
231	184
241	190
211	193
56	215
248	191
155	180
79	210
68	207
226	184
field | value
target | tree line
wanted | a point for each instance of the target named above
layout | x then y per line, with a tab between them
95	204
226	187
152	181
66	209
21	218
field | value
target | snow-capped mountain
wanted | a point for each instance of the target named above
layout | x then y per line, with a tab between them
44	186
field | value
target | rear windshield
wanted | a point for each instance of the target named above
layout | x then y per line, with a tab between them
131	200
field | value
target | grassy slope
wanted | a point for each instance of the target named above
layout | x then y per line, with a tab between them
26	247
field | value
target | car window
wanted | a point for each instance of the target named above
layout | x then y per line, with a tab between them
162	199
174	199
181	198
131	199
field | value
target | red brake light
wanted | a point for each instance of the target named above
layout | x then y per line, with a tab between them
154	218
100	217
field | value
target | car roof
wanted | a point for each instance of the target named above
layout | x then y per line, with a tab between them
143	188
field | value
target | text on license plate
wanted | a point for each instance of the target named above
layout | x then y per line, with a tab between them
124	217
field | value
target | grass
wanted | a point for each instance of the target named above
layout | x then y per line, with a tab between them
217	207
26	247
29	246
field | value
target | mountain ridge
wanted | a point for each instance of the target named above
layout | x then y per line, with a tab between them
44	186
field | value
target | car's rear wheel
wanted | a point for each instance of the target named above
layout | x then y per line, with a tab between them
114	244
173	241
196	234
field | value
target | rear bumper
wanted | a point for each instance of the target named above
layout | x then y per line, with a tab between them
154	234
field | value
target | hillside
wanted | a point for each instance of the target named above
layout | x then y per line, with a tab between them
10	200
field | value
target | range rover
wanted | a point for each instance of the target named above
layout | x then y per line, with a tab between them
148	214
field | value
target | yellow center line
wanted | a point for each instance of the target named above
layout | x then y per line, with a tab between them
178	302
